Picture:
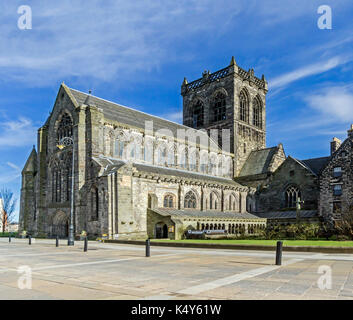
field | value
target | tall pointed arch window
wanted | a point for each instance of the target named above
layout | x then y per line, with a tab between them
197	114
65	128
257	113
190	200
213	201
168	201
244	106
292	194
219	107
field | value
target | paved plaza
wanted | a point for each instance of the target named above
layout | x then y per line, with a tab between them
117	271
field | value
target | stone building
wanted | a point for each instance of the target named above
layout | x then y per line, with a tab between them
336	187
136	175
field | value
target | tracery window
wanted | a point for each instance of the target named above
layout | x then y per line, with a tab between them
197	114
168	201
65	127
219	107
257	113
190	200
291	196
244	106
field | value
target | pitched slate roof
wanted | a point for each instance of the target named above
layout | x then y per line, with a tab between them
316	164
135	118
185	174
191	213
258	162
288	214
111	165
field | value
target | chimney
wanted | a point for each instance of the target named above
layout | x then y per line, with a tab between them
350	132
335	144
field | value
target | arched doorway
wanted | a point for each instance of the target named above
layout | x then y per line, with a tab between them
161	230
165	231
60	225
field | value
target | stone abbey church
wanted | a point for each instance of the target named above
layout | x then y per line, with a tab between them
137	176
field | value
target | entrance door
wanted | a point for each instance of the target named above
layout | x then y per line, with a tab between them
61	230
161	231
165	231
60	226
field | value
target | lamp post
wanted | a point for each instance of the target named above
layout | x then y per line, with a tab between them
66	142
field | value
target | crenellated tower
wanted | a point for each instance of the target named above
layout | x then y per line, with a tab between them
231	98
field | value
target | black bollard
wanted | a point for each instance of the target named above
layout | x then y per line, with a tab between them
29	240
10	238
85	245
279	253
148	248
57	241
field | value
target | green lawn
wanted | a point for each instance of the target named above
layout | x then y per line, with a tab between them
322	243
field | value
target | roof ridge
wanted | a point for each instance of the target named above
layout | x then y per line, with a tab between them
148	114
315	158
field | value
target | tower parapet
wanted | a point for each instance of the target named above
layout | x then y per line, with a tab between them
208	77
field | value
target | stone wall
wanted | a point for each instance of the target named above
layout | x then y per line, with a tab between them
291	173
341	158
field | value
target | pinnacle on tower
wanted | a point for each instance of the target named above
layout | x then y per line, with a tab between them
233	62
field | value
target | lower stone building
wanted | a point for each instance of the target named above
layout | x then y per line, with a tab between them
336	182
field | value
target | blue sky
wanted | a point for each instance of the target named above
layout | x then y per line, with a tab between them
137	53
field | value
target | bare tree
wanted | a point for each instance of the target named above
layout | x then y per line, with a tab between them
9	202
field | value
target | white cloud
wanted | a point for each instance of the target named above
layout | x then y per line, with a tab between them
13	166
17	133
110	39
103	40
7	176
334	102
174	116
306	71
